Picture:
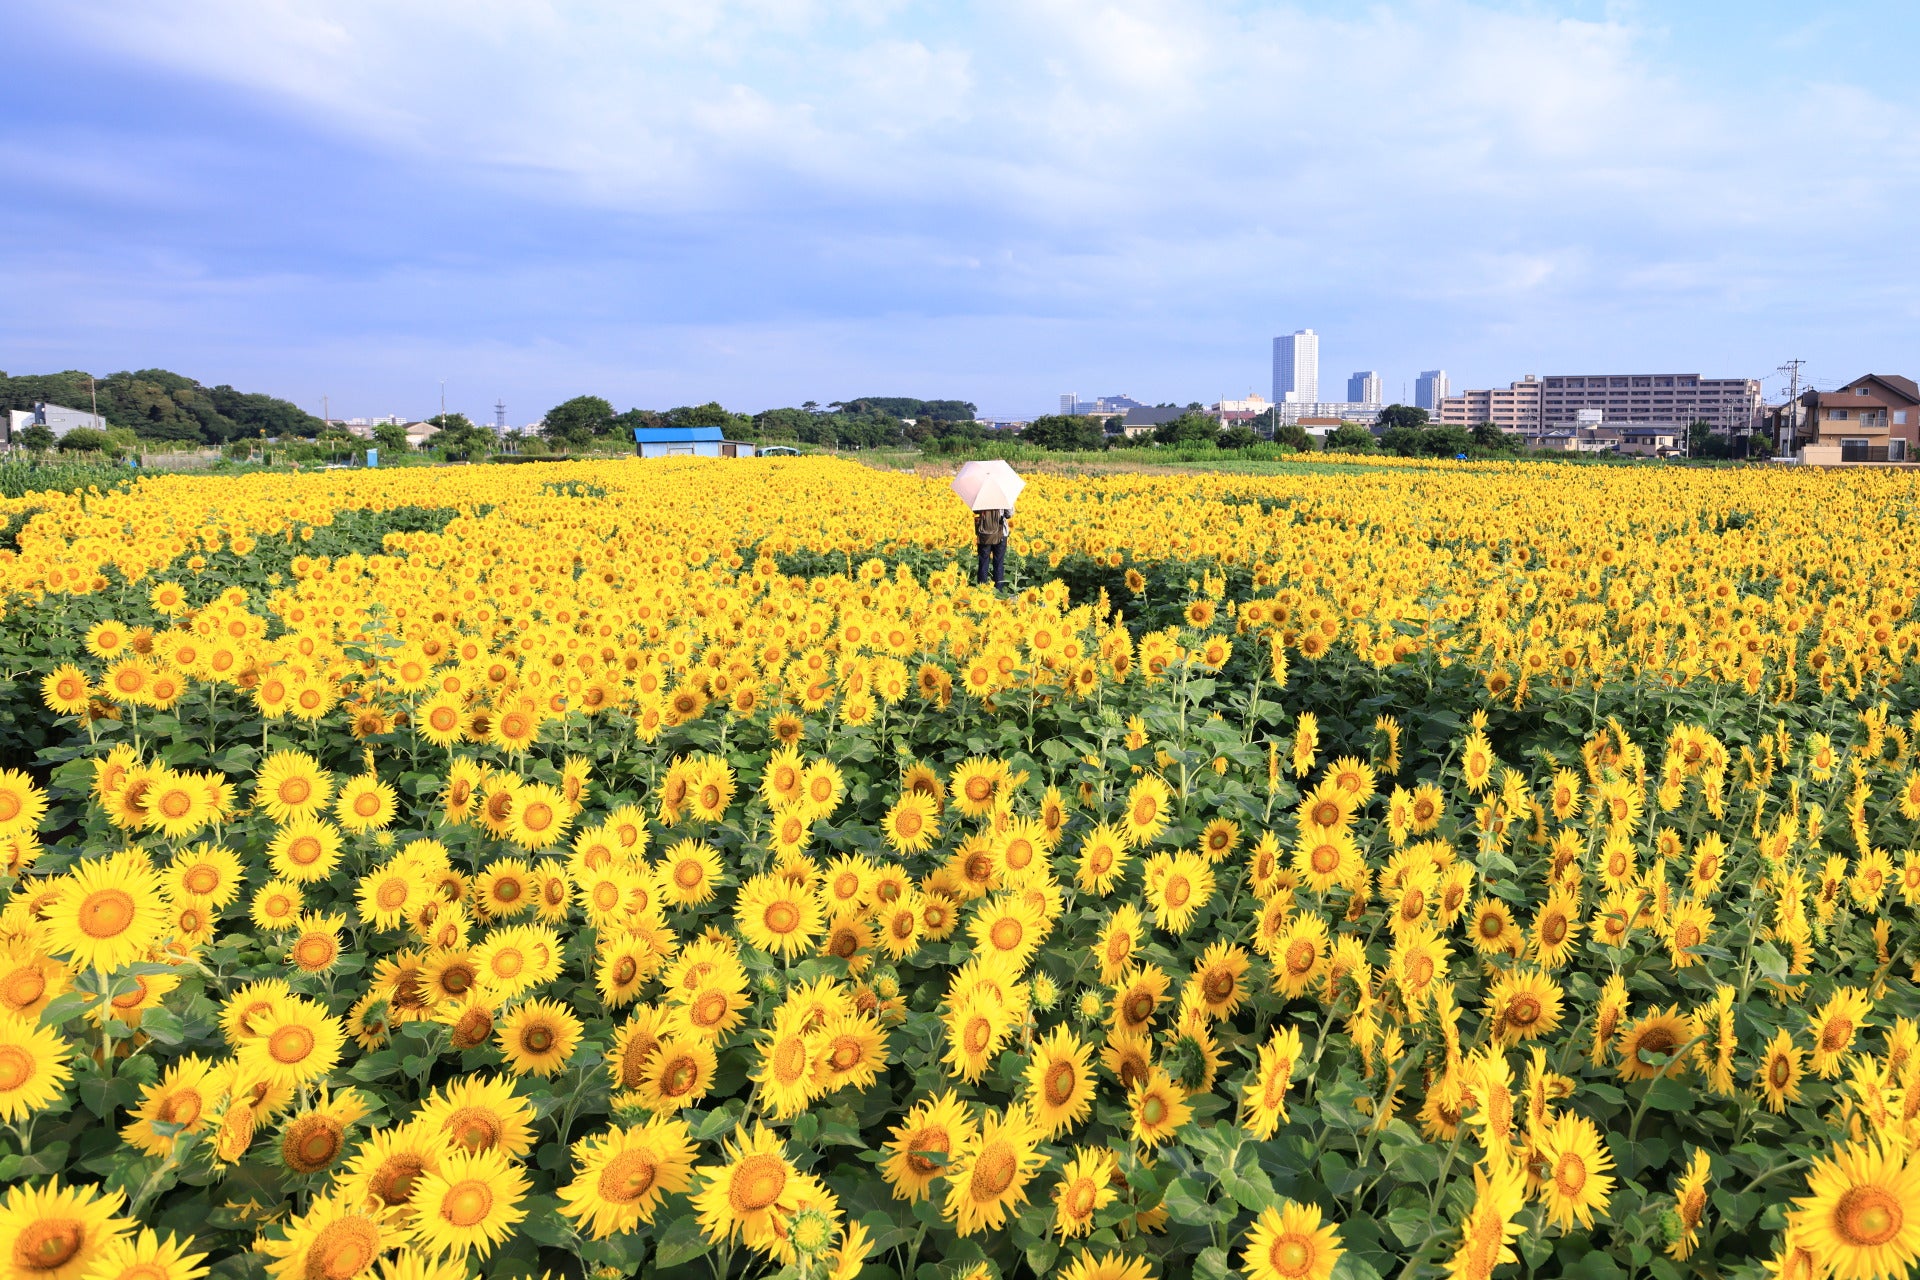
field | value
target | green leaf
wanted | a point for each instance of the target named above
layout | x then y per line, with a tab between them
1186	1201
162	1025
1211	1264
680	1242
1668	1094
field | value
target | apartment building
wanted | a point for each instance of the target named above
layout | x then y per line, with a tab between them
1729	404
1515	407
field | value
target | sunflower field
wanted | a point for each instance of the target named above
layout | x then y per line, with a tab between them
682	868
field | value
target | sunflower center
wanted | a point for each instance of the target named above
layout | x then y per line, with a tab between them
1523	1011
1554	929
1080	1198
1835	1034
182	1108
294	791
1178	891
1060	1080
537	1039
757	1183
474	1128
1290	1255
681	1077
290	1045
1219	985
627	1177
790	1059
343	1249
23	987
48	1244
393	1181
1325	859
1779	1072
993	1173
1868	1216
979	1035
782	918
16	1067
1139	1007
316	1148
106	913
1570	1174
1154	1109
1007	935
927	1140
467	1203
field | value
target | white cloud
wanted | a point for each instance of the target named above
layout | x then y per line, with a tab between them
1060	161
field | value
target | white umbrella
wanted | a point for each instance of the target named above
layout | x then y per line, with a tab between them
988	486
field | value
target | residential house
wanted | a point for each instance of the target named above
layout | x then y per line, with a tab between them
1874	418
1143	422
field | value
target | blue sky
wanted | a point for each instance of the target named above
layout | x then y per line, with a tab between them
772	201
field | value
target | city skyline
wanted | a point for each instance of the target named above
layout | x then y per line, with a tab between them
782	203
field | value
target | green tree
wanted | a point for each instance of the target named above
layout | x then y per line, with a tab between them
37	438
83	440
1295	437
1401	415
1349	437
1238	437
1190	428
391	437
576	422
461	439
1490	437
1061	431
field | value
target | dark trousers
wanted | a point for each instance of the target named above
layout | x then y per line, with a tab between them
993	554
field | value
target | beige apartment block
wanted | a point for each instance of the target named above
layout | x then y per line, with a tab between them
1515	407
1730	404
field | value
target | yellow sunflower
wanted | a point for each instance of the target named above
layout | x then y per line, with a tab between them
108	913
621	1176
33	1068
1290	1242
989	1174
1085	1188
1059	1082
1860	1217
1575	1184
469	1204
58	1233
291	785
537	1037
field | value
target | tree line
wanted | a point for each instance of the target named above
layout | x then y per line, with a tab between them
867	422
157	404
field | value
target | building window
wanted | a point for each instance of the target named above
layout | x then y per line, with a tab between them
1859	391
1899	417
1836	415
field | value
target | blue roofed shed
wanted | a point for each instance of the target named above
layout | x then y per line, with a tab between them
687	442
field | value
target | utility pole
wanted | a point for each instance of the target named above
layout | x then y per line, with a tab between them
1792	369
94	392
443	404
326	411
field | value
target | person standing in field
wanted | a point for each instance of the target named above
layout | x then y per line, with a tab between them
990	531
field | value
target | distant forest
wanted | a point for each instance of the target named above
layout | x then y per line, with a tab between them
156	404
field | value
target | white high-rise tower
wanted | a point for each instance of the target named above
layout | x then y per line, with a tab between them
1296	368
